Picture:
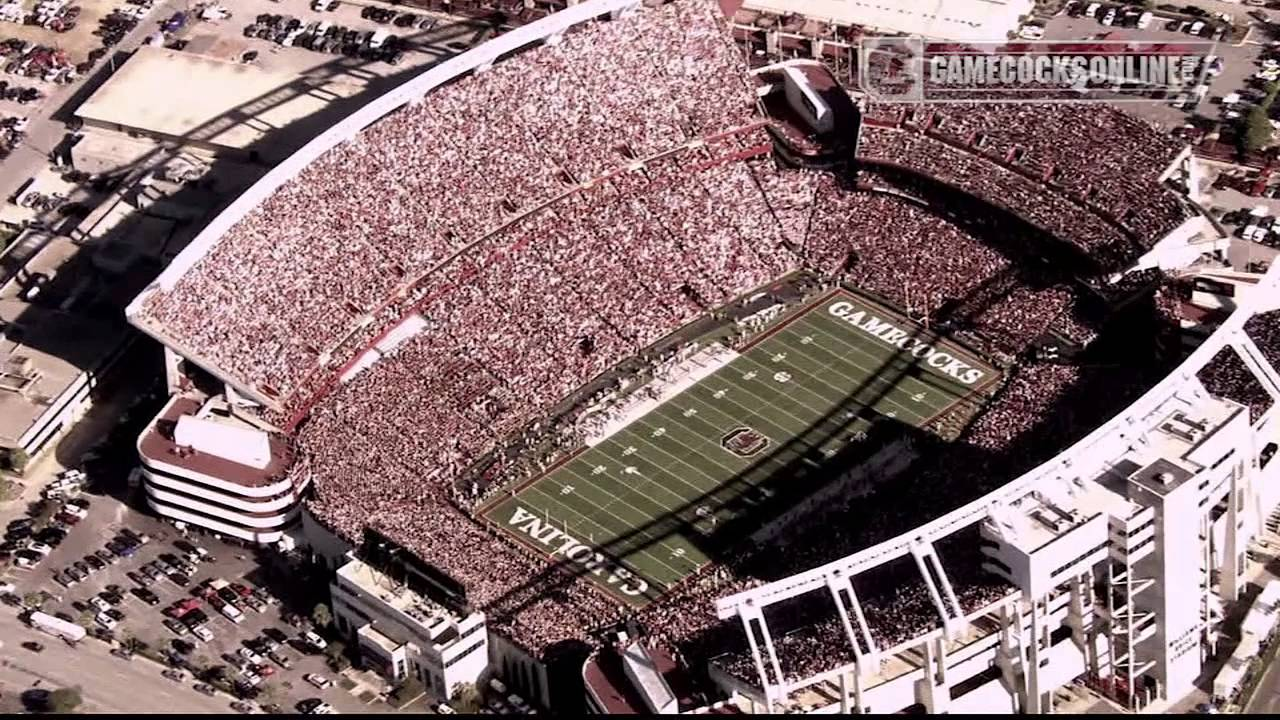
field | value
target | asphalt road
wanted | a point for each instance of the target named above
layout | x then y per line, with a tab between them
107	684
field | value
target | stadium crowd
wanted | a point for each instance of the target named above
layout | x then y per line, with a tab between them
509	139
1264	330
1227	376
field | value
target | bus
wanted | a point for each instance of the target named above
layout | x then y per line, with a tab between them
55	626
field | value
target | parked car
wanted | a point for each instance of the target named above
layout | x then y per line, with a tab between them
175	627
314	640
319	681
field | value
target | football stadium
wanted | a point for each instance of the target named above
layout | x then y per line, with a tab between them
686	379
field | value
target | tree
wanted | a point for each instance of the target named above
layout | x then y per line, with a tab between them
337	653
407	691
64	700
1257	129
466	698
269	692
321	616
335	649
1257	124
14	459
33	600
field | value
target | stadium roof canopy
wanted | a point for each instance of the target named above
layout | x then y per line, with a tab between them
942	19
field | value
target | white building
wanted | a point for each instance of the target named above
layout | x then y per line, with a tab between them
943	19
402	633
52	355
205	465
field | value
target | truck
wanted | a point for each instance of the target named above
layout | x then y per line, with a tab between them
54	626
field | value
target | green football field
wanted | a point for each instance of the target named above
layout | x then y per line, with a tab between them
648	506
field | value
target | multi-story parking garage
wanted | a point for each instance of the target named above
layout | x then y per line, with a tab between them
205	465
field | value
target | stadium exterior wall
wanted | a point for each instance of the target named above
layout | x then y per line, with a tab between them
475	60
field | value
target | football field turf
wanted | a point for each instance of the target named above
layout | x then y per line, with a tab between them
650	504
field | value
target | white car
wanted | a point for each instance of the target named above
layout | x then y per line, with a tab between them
1092	10
251	656
6	588
105	621
319	681
314	640
1031	32
39	547
100	604
324	709
202	632
1110	17
232	613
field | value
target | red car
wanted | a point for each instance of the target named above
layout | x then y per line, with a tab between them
241	590
188	604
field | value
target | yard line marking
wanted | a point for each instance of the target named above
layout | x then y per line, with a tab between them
641	531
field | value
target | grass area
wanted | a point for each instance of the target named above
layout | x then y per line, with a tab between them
7	235
9	489
654	502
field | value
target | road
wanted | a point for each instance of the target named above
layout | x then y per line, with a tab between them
107	683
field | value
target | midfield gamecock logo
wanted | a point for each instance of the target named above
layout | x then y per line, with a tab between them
744	442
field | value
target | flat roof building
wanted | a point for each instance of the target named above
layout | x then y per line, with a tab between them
942	19
204	102
50	354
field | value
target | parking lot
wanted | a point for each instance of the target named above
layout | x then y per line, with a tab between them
1239	59
114	586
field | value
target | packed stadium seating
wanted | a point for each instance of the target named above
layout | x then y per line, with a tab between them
1227	376
1026	158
